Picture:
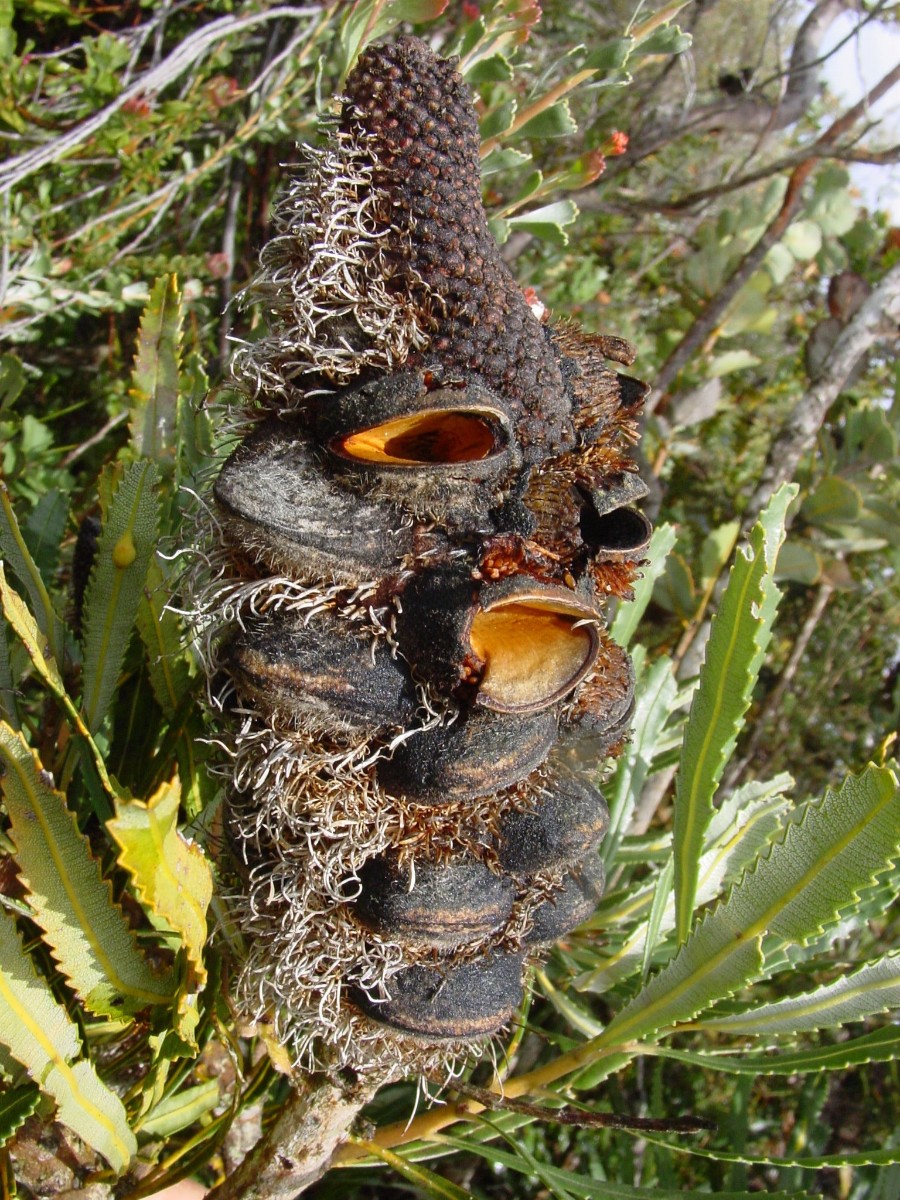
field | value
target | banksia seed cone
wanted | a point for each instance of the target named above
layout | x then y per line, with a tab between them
412	549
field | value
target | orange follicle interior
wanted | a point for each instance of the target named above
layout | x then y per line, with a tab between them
534	651
437	437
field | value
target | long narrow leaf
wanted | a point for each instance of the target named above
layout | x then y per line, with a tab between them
655	700
843	844
157	363
809	1162
882	1045
629	612
41	1036
425	1181
875	988
116	586
86	931
600	1189
737	643
165	645
14	550
25	628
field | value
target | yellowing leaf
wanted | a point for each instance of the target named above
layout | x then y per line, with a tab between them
172	876
42	1037
86	931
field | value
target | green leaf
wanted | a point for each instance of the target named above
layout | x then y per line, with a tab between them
779	263
674	588
504	158
16	1106
12	380
547	222
599	1189
424	1180
494	69
798	562
171	876
810	1162
41	1036
181	1109
882	1045
498	120
163	638
116	585
803	239
875	988
655	700
737	834
25	628
15	551
668	39
730	361
552	122
87	933
834	502
629	612
611	56
797	891
44	530
154	379
737	643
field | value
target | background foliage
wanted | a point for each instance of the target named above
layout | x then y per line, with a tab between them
639	169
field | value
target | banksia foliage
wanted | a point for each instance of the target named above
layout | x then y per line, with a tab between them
411	549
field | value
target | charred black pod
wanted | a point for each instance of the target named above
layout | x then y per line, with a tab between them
409	558
440	905
451	1002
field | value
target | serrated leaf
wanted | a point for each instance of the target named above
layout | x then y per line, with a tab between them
8	708
655	698
115	587
552	122
85	930
181	1109
667	40
547	222
810	1162
504	158
16	1106
799	889
599	1189
171	876
740	633
25	628
875	988
498	120
611	56
629	612
41	1036
154	378
44	530
161	633
882	1045
493	69
739	831
14	550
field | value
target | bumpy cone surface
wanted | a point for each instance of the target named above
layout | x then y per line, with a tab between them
410	553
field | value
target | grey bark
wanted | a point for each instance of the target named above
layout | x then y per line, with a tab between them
298	1148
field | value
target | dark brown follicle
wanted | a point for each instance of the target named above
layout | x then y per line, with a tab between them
560	829
451	1002
443	905
420	128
